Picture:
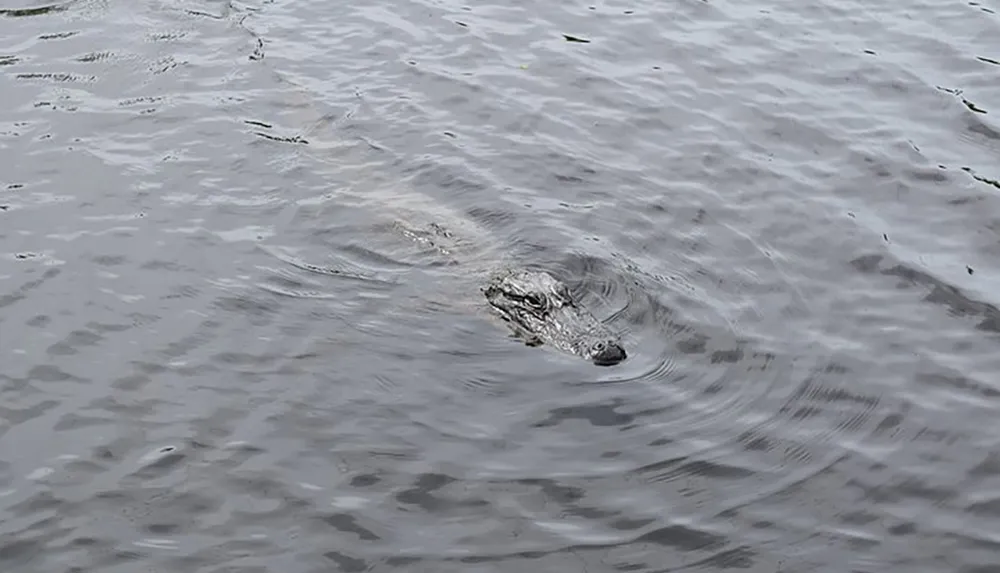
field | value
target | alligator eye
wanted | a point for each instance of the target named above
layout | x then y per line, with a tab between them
535	300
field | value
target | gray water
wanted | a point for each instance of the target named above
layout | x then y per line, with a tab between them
214	357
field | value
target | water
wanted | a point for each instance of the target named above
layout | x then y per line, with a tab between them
216	357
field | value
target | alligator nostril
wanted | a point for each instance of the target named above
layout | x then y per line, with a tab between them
609	354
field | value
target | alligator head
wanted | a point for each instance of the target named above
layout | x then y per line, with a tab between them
541	309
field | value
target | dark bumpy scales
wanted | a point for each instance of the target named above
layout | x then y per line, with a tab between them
540	308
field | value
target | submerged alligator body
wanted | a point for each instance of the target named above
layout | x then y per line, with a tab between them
541	309
536	306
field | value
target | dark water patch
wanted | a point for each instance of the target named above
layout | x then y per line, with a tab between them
937	291
19	552
348	524
683	538
51	373
346	562
598	415
42	10
422	495
76	339
72	421
56	77
966	386
982	179
58	35
973	107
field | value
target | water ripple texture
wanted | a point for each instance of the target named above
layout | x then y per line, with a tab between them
242	247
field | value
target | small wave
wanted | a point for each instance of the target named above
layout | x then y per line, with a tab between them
42	10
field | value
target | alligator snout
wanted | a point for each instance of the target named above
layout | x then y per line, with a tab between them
608	354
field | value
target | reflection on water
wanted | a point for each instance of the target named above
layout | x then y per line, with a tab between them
242	247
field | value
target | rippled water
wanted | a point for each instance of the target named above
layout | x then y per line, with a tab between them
215	354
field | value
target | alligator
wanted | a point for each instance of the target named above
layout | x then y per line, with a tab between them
539	308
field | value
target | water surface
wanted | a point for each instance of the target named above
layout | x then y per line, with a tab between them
215	355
